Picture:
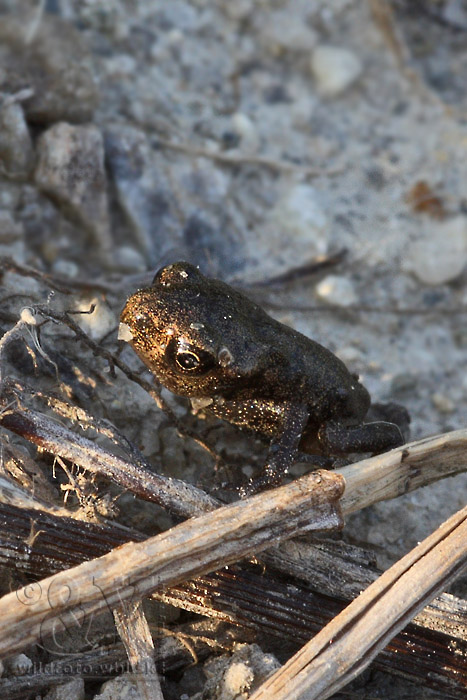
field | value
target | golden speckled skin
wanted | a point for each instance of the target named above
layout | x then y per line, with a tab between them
205	340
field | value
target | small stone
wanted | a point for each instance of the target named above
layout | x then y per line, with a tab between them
129	259
142	193
239	10
440	255
335	69
285	30
71	170
120	688
349	355
233	677
443	403
247	132
55	63
299	215
16	154
404	384
19	665
73	689
65	268
337	290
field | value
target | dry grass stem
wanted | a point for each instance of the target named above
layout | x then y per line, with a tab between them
371	480
430	651
134	632
196	546
403	470
354	637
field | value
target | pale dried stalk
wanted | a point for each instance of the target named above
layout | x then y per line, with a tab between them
134	632
375	479
354	637
178	497
259	601
403	470
190	549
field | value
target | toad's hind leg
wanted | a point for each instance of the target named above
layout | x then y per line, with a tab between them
337	438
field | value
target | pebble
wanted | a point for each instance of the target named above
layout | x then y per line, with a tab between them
349	355
120	688
129	259
404	384
71	170
142	194
73	689
440	254
335	69
19	665
443	403
337	290
65	268
239	10
234	676
55	64
243	126
16	152
285	30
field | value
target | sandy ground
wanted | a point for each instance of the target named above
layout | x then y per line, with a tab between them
252	139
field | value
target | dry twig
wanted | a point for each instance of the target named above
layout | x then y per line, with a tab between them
134	632
347	644
194	547
430	651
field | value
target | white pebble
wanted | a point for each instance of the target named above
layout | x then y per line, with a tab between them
287	31
440	255
238	678
66	268
349	354
335	69
443	403
247	131
120	688
239	10
337	290
27	316
129	259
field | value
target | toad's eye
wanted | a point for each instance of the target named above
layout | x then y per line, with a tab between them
188	358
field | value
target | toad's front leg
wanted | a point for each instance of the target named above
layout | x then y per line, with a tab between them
282	451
